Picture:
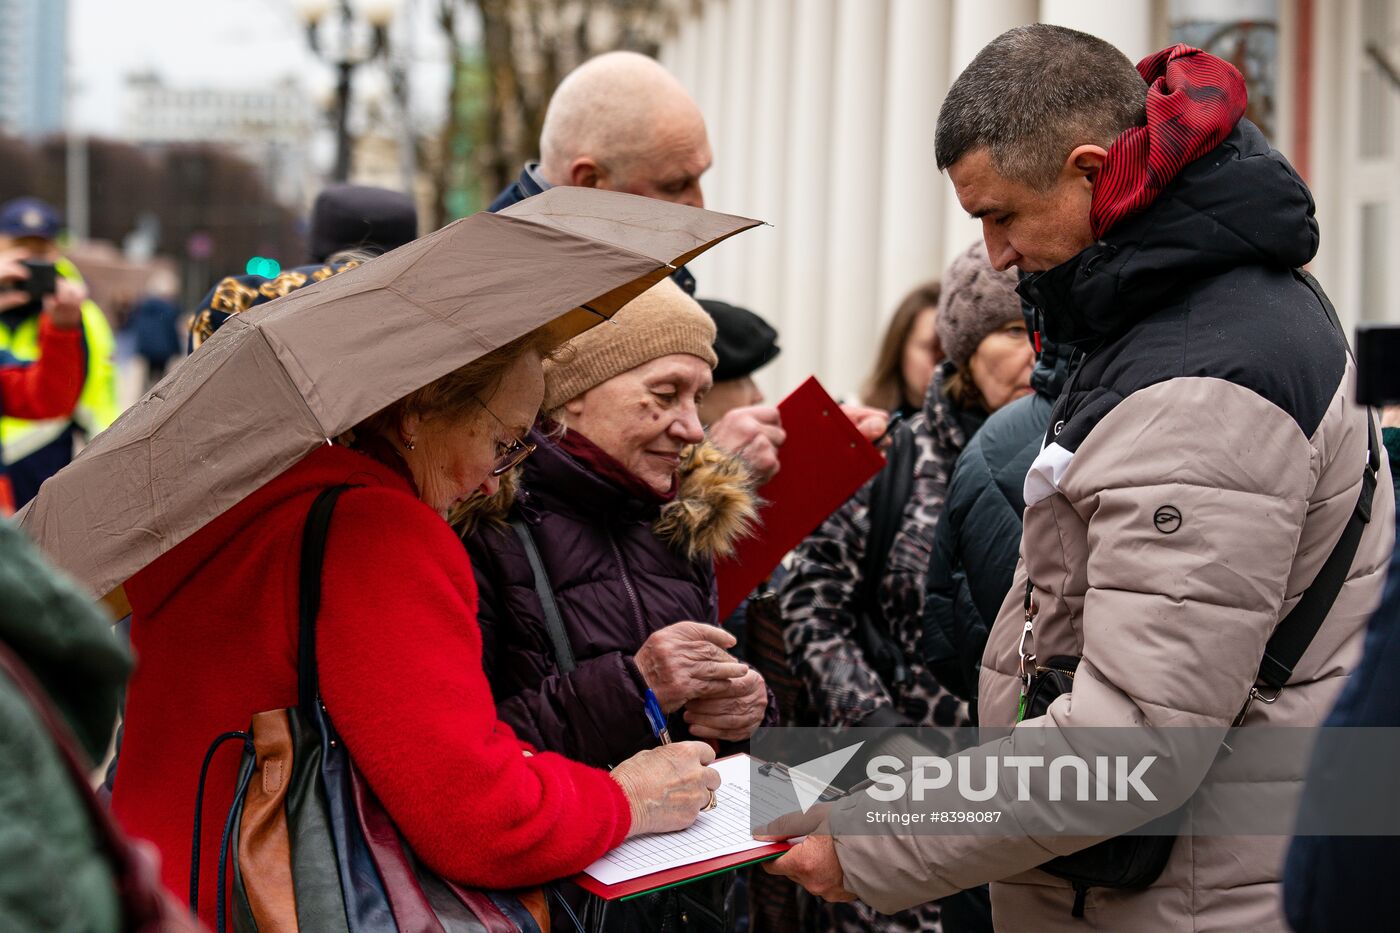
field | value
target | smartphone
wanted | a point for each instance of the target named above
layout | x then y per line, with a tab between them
42	281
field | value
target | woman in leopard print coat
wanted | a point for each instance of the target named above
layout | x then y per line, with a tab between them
981	328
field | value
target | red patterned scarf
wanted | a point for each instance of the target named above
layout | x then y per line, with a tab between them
1194	100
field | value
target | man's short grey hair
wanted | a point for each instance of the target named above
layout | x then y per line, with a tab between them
1034	94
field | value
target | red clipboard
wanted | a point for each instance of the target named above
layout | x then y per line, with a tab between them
821	465
682	874
648	884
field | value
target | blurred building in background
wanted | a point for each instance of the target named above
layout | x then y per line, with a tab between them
269	127
822	112
33	34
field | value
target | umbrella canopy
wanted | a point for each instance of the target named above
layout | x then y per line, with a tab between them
275	382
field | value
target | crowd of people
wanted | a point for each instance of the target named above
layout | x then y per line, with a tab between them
1118	429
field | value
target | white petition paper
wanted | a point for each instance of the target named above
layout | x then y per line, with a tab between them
721	831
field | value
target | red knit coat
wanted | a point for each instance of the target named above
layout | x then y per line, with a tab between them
214	626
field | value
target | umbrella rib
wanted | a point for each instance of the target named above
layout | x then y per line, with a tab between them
306	377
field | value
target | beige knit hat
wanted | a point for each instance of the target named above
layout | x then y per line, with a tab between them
660	321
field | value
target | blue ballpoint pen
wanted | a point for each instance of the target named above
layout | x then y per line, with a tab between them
657	718
658	725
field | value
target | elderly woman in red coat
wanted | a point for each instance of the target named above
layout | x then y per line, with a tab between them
399	651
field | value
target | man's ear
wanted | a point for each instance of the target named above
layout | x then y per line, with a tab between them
585	173
1085	162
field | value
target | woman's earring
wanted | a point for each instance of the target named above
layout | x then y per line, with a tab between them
410	445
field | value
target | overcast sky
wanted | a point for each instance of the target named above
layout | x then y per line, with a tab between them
220	43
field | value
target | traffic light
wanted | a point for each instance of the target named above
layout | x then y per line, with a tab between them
261	265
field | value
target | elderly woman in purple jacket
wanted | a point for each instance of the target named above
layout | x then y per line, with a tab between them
627	506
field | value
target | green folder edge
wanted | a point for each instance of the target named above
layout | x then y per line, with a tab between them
717	871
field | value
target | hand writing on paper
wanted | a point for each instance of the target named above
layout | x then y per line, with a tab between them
688	661
667	786
732	715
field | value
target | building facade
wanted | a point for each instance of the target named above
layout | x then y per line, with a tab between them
33	59
822	114
270	127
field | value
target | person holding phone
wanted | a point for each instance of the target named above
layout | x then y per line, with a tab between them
46	387
37	447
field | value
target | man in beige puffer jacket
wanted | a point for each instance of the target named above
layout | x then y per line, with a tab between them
1199	468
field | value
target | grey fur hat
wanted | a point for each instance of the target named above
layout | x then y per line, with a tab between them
976	301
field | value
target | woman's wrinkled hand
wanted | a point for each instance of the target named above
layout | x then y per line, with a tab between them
688	661
733	715
667	786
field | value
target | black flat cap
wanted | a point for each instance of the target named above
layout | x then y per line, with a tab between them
361	217
744	342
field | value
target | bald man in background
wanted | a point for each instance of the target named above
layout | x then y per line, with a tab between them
621	122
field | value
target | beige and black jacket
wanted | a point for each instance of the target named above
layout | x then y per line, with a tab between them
1196	474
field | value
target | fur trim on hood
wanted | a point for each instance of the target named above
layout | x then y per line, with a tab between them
715	507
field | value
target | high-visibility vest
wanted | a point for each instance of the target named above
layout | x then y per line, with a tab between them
97	403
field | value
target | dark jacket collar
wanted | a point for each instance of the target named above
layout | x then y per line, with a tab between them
1052	368
1241	204
529	184
597	460
1053	361
554	480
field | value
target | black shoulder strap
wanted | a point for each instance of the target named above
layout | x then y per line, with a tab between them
554	622
888	496
313	557
1293	635
1296	631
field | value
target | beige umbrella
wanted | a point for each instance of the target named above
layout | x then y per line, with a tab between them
277	381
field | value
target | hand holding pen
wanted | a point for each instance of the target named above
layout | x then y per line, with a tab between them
667	787
663	735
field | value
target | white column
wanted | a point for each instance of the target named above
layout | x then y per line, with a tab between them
1331	156
853	243
1126	24
681	55
712	62
807	184
732	168
912	193
975	23
767	162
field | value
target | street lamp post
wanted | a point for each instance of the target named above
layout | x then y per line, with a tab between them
350	52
